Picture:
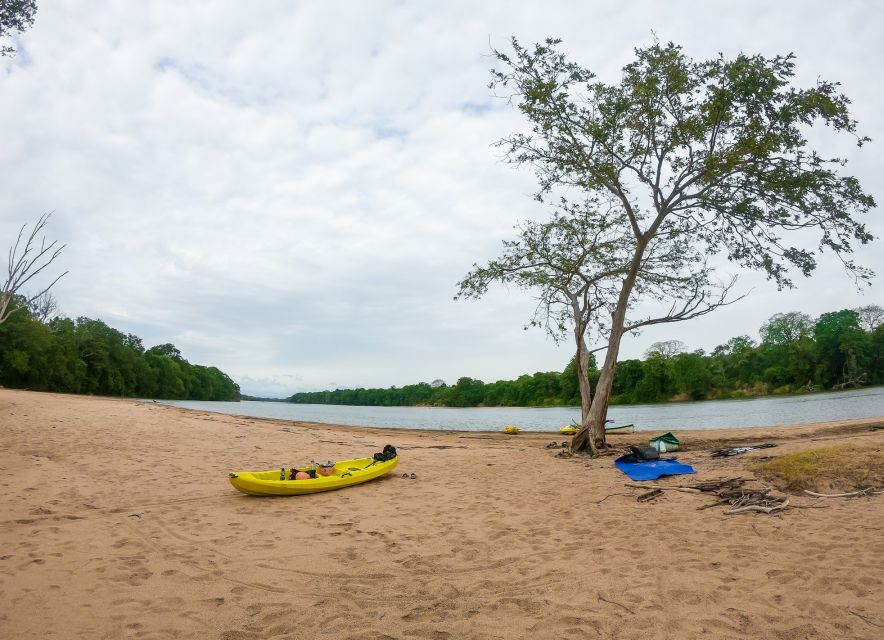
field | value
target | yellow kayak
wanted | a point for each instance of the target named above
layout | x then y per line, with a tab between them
568	431
511	429
346	473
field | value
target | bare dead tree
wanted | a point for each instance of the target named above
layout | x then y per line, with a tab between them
870	317
667	348
44	307
27	259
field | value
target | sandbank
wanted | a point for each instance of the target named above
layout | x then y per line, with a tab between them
117	521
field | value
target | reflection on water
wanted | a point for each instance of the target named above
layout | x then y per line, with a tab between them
841	405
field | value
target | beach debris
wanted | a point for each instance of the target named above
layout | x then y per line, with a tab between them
659	487
724	453
718	485
870	491
760	508
650	495
666	442
601	598
743	500
729	491
610	495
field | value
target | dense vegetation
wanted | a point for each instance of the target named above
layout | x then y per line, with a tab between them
87	356
796	354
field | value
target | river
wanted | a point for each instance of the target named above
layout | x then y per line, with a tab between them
712	414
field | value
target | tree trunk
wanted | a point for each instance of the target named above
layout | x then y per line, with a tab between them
583	380
591	434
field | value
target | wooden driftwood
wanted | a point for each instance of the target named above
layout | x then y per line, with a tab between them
729	492
862	492
661	487
650	495
759	508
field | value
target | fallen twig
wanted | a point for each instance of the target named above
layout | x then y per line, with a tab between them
864	619
716	485
661	487
650	495
714	504
612	494
861	492
808	506
759	508
603	599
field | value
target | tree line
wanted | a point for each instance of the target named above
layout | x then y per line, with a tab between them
87	356
795	354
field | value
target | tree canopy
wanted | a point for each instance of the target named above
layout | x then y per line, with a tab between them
87	356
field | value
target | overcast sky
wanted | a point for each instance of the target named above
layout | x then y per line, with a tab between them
291	191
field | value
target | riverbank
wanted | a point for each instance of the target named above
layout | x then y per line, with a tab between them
117	521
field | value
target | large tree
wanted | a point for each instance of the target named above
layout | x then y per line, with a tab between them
713	153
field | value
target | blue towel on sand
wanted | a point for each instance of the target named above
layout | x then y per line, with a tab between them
652	469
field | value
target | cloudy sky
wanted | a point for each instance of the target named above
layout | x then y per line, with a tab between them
291	190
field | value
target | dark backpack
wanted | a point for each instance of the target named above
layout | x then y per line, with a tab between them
388	453
645	453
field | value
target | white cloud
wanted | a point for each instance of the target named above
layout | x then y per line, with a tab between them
291	192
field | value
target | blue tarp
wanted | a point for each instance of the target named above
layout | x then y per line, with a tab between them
652	469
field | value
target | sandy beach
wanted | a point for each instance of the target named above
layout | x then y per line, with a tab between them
117	521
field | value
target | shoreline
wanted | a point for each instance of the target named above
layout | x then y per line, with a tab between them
524	430
780	431
117	520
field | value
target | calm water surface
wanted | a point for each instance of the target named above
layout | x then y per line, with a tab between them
760	412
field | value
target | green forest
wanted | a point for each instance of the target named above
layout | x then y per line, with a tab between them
87	356
796	354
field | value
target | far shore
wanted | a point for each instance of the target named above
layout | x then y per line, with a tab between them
117	521
674	400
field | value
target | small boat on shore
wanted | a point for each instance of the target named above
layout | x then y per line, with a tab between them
279	482
626	428
570	430
511	429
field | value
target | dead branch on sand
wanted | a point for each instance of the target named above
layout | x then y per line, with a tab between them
871	491
779	506
661	487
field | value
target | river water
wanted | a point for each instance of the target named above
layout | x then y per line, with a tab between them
713	414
